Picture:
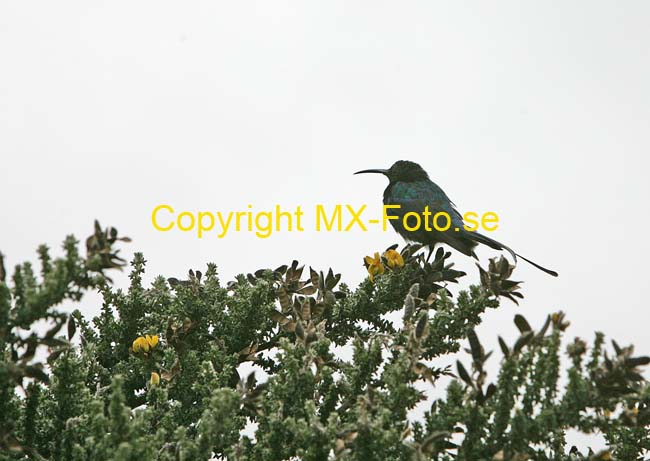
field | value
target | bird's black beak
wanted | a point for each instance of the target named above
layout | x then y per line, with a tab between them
373	171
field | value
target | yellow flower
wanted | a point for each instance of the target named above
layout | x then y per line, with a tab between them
155	379
394	259
140	344
144	343
152	340
374	265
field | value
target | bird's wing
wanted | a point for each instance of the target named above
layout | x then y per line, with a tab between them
415	196
449	206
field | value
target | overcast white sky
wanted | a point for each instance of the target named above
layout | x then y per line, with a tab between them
537	111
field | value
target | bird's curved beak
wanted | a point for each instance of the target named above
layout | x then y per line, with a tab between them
372	171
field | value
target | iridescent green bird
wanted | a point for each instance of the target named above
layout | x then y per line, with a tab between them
410	187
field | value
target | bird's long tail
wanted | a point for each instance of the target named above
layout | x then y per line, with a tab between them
480	238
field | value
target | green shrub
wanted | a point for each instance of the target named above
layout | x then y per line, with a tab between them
155	375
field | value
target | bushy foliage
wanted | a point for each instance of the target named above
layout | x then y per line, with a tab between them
155	375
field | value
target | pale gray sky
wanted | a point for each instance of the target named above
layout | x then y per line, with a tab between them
537	111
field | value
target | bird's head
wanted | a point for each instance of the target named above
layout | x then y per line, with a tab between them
402	170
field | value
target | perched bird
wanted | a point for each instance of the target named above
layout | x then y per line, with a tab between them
410	187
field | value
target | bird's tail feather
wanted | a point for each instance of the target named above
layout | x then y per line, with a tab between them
480	238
